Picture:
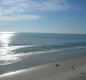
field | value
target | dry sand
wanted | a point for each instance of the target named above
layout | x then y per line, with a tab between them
74	69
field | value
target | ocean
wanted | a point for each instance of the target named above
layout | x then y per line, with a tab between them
23	50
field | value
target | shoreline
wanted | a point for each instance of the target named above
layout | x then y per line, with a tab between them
71	69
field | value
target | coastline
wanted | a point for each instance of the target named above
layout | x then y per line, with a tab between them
72	69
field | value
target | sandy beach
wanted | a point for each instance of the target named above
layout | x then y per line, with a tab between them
73	69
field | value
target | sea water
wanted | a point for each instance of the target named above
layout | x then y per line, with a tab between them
23	50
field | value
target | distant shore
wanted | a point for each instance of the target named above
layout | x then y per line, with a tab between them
73	69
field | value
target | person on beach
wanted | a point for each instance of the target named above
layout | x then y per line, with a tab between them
72	67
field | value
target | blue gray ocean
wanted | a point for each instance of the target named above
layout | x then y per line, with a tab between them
23	50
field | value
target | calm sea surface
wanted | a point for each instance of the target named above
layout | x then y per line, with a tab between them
23	50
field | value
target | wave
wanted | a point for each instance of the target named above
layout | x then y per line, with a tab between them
25	48
66	43
53	52
37	48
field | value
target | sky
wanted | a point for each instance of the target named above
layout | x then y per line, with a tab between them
45	16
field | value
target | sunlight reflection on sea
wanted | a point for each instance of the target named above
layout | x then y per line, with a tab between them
6	56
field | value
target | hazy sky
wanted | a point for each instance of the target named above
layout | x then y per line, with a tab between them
58	16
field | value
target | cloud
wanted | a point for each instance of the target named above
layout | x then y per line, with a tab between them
28	8
18	18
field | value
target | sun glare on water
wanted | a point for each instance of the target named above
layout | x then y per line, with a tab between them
6	56
5	39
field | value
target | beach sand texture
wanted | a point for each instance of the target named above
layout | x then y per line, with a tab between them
73	69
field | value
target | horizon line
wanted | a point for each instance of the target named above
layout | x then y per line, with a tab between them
41	32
